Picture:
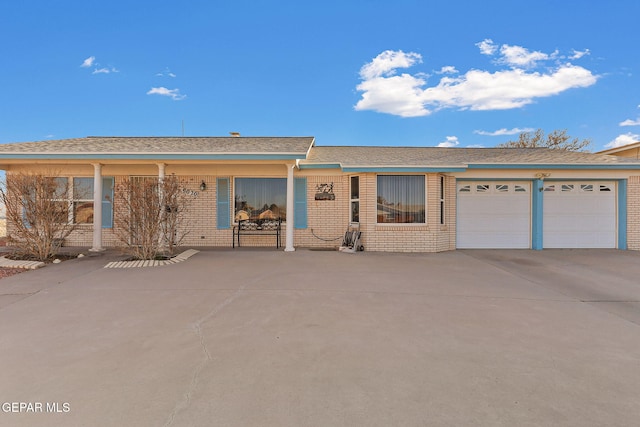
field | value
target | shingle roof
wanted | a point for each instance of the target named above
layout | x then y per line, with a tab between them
362	157
350	158
155	145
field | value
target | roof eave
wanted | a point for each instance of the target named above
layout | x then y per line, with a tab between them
385	168
619	149
554	166
151	156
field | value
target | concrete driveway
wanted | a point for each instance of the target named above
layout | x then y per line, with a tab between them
313	338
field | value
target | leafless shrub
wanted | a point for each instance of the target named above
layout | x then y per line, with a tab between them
37	210
150	216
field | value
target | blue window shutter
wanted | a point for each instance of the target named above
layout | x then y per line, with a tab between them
300	202
222	209
107	201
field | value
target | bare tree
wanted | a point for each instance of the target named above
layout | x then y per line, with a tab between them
558	139
176	204
150	216
37	210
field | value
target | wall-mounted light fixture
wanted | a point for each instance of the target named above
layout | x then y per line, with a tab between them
203	185
543	175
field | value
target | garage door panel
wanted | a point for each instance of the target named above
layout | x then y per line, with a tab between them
493	215
579	215
493	240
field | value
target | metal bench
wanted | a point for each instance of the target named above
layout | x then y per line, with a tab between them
261	227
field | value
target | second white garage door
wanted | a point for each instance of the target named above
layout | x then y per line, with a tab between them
579	215
494	215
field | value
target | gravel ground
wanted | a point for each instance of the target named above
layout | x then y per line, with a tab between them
6	272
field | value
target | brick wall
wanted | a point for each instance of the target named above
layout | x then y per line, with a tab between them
633	213
429	237
327	220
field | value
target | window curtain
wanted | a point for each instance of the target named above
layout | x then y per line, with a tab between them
261	198
401	199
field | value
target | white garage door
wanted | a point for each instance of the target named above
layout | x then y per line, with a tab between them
579	215
494	215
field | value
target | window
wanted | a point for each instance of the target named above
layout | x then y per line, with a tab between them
82	201
502	188
605	188
355	199
465	189
482	188
261	198
76	197
519	189
442	200
61	194
567	187
401	199
586	187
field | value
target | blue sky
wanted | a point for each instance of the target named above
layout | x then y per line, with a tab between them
364	72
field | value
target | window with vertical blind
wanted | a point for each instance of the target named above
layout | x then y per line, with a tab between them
442	218
261	198
401	199
355	199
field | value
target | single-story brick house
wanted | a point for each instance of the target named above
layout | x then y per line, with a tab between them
418	199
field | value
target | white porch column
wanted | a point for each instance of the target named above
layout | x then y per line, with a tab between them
290	210
161	168
97	208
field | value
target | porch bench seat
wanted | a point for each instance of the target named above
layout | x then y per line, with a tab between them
267	227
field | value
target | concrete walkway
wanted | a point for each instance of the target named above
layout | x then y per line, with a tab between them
27	265
312	338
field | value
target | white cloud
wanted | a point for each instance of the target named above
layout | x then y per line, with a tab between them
503	131
163	91
407	95
577	54
624	139
630	122
451	141
449	69
91	62
397	95
487	47
88	62
518	56
105	70
387	62
166	73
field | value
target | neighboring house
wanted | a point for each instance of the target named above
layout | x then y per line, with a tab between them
415	199
630	150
